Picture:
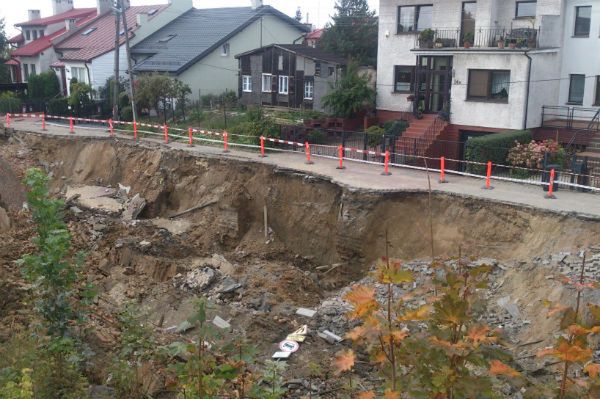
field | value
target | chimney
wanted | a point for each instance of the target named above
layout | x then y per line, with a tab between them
103	6
70	23
256	4
142	19
33	14
60	6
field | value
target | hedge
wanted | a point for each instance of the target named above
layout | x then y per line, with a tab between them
493	147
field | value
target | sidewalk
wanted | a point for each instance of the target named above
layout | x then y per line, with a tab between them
366	176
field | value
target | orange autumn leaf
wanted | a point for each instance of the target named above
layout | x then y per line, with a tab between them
567	352
363	300
344	361
593	369
414	315
391	395
365	395
499	368
380	357
356	333
578	330
479	334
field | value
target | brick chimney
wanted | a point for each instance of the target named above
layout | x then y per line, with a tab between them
103	6
256	4
60	6
34	14
70	23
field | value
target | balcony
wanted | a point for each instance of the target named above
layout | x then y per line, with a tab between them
482	38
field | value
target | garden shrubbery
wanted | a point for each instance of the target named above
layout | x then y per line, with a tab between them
493	147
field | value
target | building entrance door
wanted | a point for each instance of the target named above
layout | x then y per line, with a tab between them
433	81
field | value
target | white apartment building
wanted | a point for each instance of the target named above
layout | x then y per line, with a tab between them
495	64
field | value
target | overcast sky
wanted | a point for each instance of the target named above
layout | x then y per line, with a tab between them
318	10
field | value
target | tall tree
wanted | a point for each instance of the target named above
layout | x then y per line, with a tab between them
353	32
4	54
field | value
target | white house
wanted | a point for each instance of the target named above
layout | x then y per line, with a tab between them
494	64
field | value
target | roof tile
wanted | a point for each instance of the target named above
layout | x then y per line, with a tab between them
58	18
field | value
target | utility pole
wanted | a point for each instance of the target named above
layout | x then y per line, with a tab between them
129	67
117	10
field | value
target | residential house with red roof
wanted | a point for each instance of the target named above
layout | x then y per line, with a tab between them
87	54
34	53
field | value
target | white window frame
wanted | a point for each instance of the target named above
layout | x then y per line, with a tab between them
225	50
284	84
267	77
309	89
247	83
78	73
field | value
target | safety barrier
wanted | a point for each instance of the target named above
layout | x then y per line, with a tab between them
311	150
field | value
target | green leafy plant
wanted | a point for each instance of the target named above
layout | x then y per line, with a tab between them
80	100
351	95
492	147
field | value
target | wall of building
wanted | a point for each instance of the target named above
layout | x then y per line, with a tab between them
544	85
42	62
580	55
102	67
215	73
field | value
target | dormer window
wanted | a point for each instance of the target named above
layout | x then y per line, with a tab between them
166	38
225	50
153	11
88	31
28	35
35	34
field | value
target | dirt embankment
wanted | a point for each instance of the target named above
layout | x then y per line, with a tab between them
307	215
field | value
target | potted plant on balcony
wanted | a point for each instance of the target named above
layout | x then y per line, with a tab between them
439	43
521	43
501	42
426	38
512	44
468	39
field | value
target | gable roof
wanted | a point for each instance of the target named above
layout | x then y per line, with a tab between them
35	47
75	13
101	37
315	34
197	33
303	50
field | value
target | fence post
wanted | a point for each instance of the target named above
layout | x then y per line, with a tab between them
135	132
110	127
307	147
365	145
262	147
166	132
386	164
225	142
550	194
191	138
488	178
443	170
71	125
44	121
341	156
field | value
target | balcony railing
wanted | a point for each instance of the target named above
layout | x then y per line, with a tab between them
501	38
576	118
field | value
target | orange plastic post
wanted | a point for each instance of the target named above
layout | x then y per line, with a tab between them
166	131
71	126
8	120
134	130
307	148
386	164
225	142
488	177
262	147
110	127
443	170
341	156
44	121
191	143
550	194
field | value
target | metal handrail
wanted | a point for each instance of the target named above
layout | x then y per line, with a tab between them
588	129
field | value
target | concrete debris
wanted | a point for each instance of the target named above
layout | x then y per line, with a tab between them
145	244
134	207
183	327
94	197
175	227
281	355
219	322
198	279
326	337
75	210
123	191
229	285
334	337
306	312
4	220
506	304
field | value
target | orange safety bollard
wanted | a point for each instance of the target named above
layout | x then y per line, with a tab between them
262	147
8	120
71	125
307	148
44	121
191	141
166	131
443	170
110	127
341	156
488	177
550	194
386	164
134	130
225	142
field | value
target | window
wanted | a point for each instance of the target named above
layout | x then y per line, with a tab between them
280	63
32	72
331	71
225	50
414	18
267	80
583	16
488	85
41	33
403	79
597	100
79	73
247	83
526	9
35	34
576	89
166	38
317	69
153	11
28	35
309	89
90	30
284	82
25	72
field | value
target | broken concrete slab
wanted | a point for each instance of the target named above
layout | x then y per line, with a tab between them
134	207
334	337
221	323
175	227
94	197
199	279
511	307
306	312
281	355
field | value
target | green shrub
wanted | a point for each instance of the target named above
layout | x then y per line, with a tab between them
375	134
9	102
58	106
43	86
127	113
316	137
395	128
493	147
